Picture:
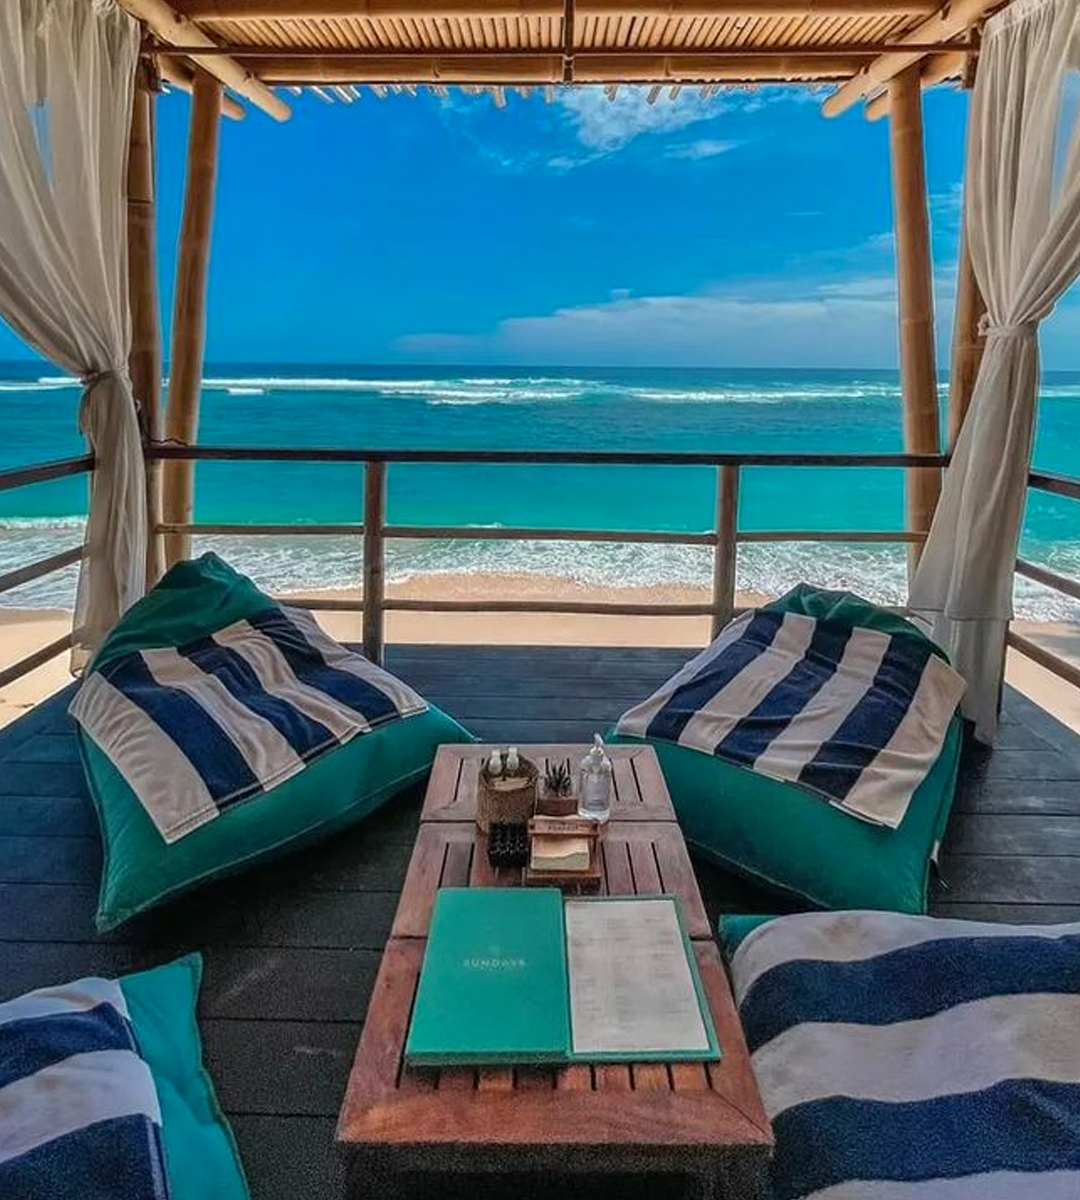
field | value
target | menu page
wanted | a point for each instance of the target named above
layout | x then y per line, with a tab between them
631	988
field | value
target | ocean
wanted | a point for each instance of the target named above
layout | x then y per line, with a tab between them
542	408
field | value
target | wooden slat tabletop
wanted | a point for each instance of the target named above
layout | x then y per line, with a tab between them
704	1111
640	793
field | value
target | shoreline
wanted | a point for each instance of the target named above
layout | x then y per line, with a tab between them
23	630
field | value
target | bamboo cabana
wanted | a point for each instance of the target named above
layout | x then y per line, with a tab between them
237	55
293	947
881	52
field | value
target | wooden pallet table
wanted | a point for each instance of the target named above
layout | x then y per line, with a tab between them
703	1121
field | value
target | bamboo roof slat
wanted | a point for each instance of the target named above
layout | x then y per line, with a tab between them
859	44
954	19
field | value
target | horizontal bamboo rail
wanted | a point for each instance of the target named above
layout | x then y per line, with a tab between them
1046	659
1057	485
534	458
1050	579
17	477
38	659
44	566
259	530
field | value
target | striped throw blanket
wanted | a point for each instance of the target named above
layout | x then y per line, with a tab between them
79	1111
854	715
198	728
908	1058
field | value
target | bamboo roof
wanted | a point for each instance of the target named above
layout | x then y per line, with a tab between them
338	46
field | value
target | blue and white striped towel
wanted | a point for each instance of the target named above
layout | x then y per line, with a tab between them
79	1111
195	729
854	715
909	1058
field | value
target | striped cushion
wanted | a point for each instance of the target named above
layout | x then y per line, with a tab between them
79	1111
908	1058
855	715
197	728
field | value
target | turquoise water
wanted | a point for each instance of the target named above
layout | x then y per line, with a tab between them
476	408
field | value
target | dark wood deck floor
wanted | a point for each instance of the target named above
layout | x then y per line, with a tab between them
292	948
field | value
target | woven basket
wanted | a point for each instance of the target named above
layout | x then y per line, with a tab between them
506	806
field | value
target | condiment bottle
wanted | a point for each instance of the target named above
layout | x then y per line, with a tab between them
596	773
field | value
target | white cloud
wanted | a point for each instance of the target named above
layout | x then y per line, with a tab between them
818	320
701	149
604	126
759	323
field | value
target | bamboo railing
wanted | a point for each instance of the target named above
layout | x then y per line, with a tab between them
20	477
725	537
374	532
1055	485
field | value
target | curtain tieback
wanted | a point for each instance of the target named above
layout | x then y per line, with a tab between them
93	378
1021	329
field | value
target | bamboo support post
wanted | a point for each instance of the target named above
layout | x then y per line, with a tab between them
144	361
182	76
935	69
189	308
967	344
918	372
374	559
725	560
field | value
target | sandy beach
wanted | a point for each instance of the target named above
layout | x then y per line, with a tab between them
24	630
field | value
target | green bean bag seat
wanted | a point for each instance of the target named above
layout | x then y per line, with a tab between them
776	833
345	779
105	1096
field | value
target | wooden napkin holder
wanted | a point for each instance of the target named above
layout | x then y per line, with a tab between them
588	880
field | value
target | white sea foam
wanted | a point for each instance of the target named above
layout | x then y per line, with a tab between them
285	564
474	389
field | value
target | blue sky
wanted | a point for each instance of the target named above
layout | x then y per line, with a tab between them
740	230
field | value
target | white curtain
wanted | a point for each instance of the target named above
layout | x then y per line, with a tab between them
1022	214
67	70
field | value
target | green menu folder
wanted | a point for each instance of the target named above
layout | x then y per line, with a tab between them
515	975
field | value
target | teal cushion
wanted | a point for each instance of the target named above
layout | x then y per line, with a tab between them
201	1158
734	927
334	791
779	835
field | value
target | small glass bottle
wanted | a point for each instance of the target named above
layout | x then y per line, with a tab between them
595	798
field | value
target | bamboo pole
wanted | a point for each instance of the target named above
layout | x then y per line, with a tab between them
144	361
175	29
953	19
189	308
221	11
374	592
182	76
517	68
935	69
918	372
967	344
725	560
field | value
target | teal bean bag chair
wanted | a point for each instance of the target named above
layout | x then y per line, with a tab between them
776	833
333	791
106	1076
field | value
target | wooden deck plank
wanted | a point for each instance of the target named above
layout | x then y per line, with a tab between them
292	948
